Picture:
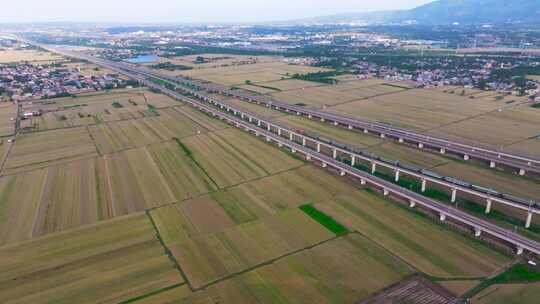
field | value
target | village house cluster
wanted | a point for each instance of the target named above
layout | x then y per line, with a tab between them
29	81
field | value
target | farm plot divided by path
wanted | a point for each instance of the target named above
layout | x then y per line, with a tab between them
429	247
206	258
39	150
232	157
104	263
339	271
118	136
82	192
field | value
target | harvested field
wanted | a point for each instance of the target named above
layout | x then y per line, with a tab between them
338	271
232	157
136	182
509	294
120	259
428	246
417	109
8	111
71	196
14	56
20	196
257	199
513	125
206	257
258	89
184	178
291	84
201	119
87	191
117	136
129	134
38	150
332	95
256	73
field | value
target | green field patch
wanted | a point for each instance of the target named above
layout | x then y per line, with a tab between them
324	219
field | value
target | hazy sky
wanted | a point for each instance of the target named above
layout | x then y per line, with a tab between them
186	10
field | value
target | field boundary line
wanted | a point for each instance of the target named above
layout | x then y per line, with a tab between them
152	293
243	156
189	155
266	263
168	251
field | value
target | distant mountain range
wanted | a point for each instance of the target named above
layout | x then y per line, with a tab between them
449	12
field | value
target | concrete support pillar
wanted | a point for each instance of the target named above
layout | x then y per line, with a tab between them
291	136
334	154
324	165
397	176
318	148
303	141
268	127
454	195
268	139
382	135
401	140
256	134
298	113
342	173
279	132
492	164
386	192
420	145
521	172
488	206
362	182
293	151
242	115
373	168
336	123
322	119
424	182
353	160
310	116
412	204
280	145
529	220
466	157
519	251
366	131
442	217
308	157
350	127
477	232
259	123
443	151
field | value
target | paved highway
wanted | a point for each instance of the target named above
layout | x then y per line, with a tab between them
521	243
